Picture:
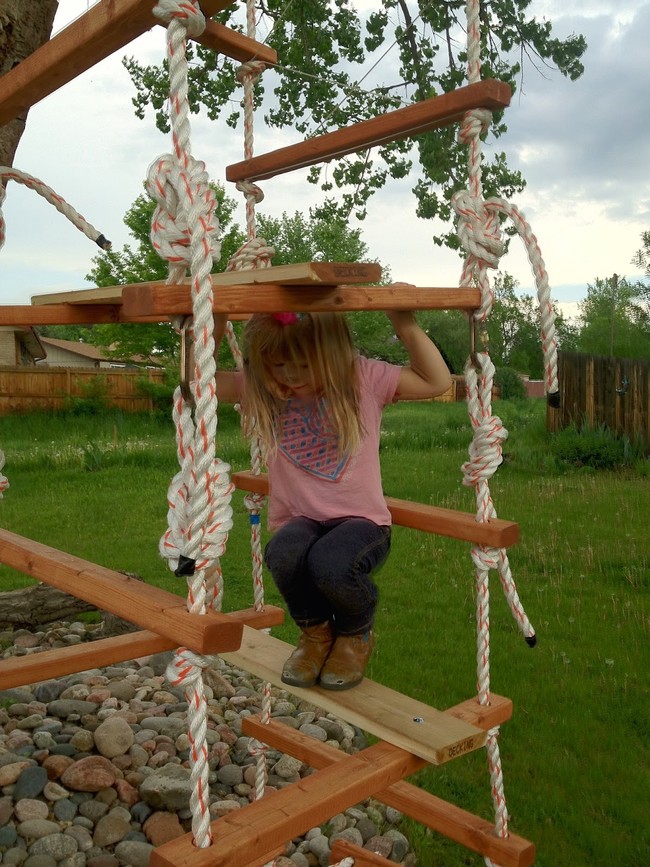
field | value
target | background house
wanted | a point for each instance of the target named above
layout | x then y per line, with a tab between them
72	353
20	346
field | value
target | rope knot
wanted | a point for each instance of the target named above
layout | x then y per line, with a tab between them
479	228
184	12
250	190
485	559
485	451
186	204
251	70
254	253
254	502
186	668
474	124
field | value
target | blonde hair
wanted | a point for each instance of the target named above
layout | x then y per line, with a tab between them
322	341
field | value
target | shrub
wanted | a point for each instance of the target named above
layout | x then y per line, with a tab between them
595	447
510	383
91	401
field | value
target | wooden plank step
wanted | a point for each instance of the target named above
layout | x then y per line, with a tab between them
459	825
148	302
95	35
241	837
412	725
496	533
394	125
19	671
133	600
322	273
22	670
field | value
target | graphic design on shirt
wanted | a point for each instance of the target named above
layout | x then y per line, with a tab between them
309	442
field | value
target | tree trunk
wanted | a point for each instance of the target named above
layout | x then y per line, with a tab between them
32	606
24	26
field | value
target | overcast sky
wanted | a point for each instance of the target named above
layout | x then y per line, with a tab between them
584	148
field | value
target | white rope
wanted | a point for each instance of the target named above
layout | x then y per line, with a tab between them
185	231
479	232
4	481
7	173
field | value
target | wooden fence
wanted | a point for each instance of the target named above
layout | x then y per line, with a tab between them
23	389
595	390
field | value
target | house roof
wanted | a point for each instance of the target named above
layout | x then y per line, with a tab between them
86	350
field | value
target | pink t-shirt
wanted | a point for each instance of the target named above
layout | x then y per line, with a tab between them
307	475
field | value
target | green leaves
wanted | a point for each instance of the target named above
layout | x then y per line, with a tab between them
337	67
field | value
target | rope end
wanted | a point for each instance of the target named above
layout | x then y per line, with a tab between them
553	399
531	640
103	243
186	567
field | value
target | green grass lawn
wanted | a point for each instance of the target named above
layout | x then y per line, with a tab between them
576	752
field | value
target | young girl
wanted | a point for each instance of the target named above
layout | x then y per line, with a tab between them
316	406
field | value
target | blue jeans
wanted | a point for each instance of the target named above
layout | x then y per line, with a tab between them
323	570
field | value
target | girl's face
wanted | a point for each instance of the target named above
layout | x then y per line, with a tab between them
293	376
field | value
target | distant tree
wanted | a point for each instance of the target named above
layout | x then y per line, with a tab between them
323	83
614	319
321	234
514	329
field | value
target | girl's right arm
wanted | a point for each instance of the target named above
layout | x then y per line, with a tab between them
228	381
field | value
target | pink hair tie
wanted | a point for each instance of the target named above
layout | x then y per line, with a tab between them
287	318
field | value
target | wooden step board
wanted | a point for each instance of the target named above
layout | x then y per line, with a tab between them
320	273
105	28
431	734
496	533
242	836
413	120
19	671
133	600
459	825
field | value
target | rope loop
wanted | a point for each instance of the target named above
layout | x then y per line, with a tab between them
479	228
185	201
254	253
182	11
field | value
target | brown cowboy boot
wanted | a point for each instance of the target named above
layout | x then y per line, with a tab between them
347	661
304	665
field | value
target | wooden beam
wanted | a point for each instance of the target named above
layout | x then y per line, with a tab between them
95	35
394	125
21	670
58	314
411	725
496	533
146	302
133	600
321	273
361	857
240	837
234	44
459	825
